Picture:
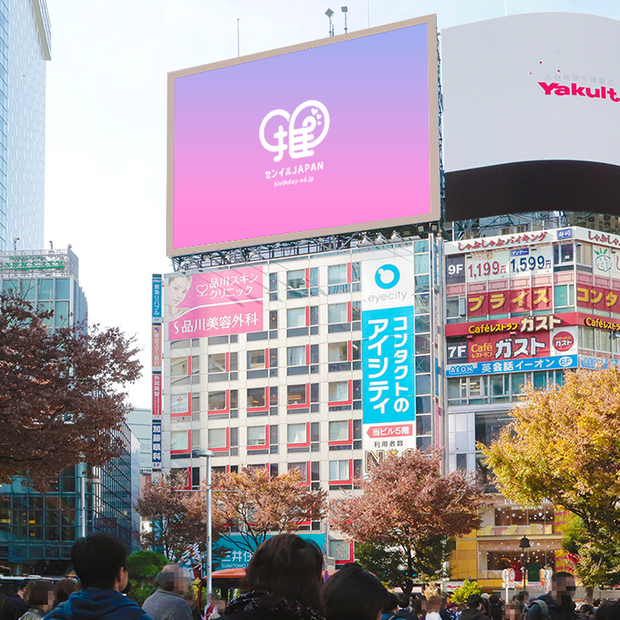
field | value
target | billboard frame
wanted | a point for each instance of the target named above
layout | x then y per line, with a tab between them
433	107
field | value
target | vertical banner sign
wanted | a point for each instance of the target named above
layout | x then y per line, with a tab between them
157	341
388	353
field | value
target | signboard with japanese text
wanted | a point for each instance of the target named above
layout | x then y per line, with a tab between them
156	400
157	296
488	368
388	362
506	114
156	344
215	303
250	136
500	264
156	444
179	404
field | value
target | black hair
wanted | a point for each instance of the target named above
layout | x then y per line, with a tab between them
353	594
403	601
494	599
63	590
98	560
608	611
286	567
38	592
474	600
392	602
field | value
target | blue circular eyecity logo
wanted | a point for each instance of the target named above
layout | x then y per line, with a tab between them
387	276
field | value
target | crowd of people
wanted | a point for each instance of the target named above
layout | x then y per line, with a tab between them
284	581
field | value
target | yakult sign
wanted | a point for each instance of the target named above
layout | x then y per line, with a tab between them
248	137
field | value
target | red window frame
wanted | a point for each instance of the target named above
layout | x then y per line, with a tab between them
265	446
344	442
305	444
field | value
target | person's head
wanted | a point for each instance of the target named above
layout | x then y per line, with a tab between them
403	601
523	597
587	610
391	604
608	611
177	289
474	601
512	612
353	594
562	586
172	578
287	567
434	603
40	594
21	587
63	590
494	600
99	561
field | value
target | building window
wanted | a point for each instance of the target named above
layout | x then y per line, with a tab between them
216	362
179	366
339	471
297	433
217	401
217	438
257	436
338	313
273	319
296	394
300	467
339	431
296	317
296	279
296	356
256	359
338	391
256	397
337	279
179	441
338	351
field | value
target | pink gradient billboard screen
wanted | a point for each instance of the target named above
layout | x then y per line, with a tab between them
337	135
215	303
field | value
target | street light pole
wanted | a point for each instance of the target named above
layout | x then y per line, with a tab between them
83	502
524	543
207	454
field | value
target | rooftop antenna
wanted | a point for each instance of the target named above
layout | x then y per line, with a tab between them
345	10
237	37
367	13
15	240
329	14
506	8
51	245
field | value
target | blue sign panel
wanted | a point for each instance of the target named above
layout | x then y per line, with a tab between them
489	368
157	298
228	555
594	363
156	449
565	233
388	365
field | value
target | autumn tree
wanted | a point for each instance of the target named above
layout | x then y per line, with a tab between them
410	508
177	517
61	392
253	505
563	444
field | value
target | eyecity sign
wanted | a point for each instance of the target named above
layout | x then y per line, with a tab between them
251	136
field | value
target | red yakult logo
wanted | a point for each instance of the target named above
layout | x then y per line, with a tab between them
562	90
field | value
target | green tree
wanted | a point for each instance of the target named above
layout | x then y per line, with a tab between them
462	593
563	444
143	567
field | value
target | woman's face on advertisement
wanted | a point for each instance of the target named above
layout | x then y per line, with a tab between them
178	290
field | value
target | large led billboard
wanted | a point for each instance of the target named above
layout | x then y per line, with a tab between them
531	109
332	136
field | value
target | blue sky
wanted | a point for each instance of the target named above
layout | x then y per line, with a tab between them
106	118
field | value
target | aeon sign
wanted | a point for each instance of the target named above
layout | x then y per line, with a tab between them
300	133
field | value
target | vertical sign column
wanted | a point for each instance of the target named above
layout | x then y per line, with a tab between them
157	341
388	354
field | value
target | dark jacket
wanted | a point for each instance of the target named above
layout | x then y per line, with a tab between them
497	613
473	614
250	606
566	612
406	614
262	614
98	604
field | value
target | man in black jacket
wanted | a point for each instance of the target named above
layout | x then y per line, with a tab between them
558	603
474	609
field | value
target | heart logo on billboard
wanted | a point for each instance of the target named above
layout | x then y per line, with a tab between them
202	289
297	135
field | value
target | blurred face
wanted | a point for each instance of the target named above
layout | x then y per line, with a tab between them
177	290
563	589
181	583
